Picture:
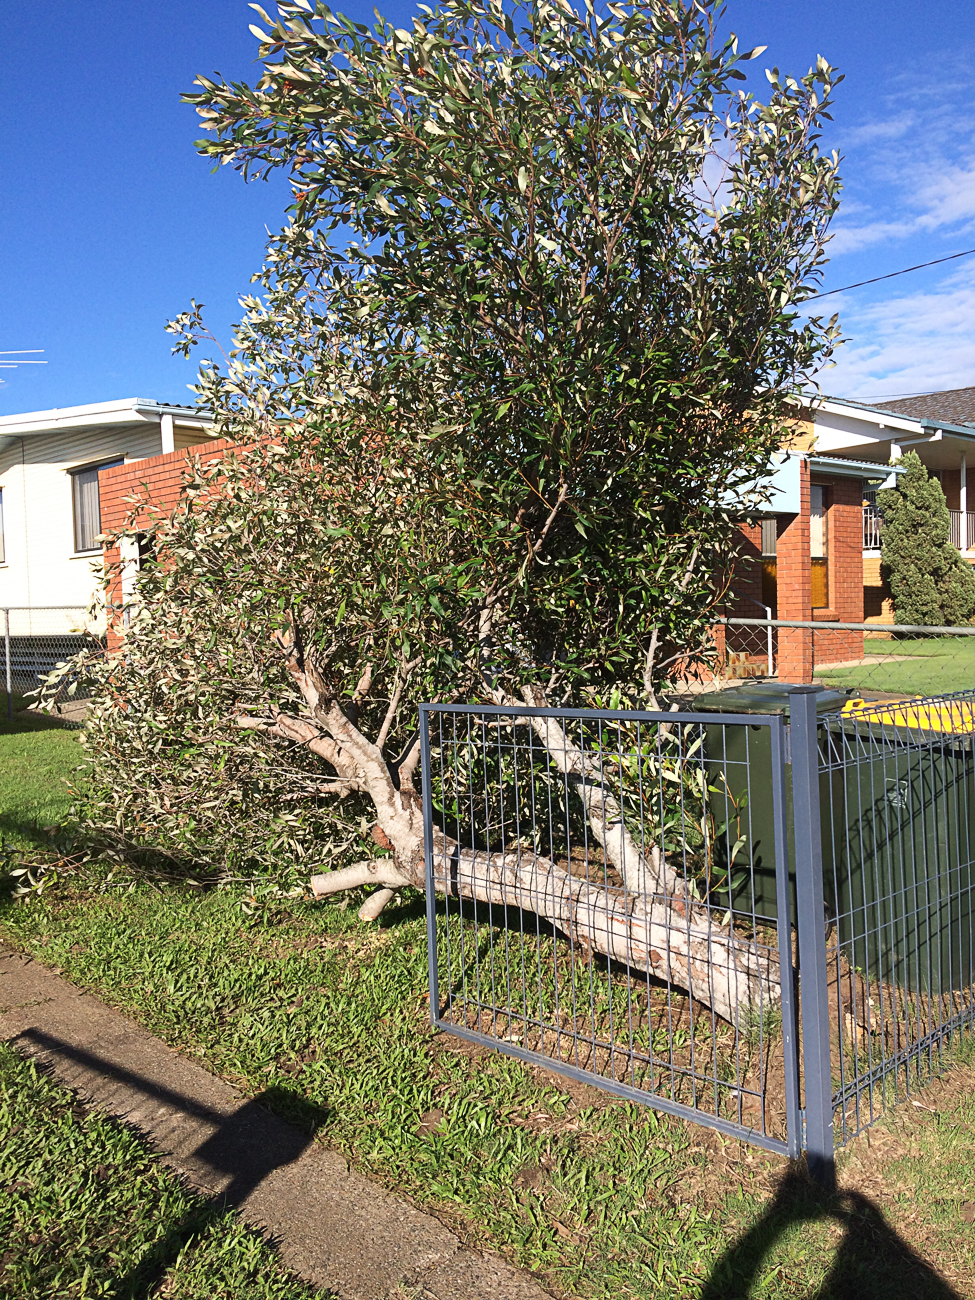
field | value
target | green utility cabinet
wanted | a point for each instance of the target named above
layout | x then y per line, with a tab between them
902	842
897	819
739	769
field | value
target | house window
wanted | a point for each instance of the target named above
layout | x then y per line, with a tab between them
87	507
819	546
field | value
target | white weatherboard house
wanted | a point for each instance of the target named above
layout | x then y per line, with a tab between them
49	505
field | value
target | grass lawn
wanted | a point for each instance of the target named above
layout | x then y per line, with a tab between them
601	1198
37	758
87	1210
936	666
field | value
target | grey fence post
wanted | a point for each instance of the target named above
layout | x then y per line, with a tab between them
426	786
6	651
811	921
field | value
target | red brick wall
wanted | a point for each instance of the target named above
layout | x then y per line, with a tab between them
798	650
951	486
157	480
845	533
794	583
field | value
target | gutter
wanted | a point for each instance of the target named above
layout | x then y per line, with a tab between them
862	469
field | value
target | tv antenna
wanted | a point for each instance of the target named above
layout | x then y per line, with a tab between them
17	352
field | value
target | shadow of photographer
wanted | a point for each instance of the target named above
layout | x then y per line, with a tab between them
243	1148
871	1263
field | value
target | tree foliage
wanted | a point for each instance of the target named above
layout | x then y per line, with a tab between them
929	581
523	347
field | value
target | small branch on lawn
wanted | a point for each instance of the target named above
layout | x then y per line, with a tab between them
375	903
648	691
407	767
643	872
485	627
399	685
307	734
254	724
361	692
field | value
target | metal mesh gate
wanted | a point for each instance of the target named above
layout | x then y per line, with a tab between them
900	848
588	912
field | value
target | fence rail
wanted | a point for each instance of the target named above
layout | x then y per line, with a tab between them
962	528
962	525
871	528
760	921
876	659
582	913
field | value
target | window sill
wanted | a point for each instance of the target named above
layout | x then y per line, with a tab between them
84	555
826	615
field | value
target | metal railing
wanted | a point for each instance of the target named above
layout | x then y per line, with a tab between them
871	528
618	896
899	846
585	911
36	639
962	528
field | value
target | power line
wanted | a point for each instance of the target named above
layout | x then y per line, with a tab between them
860	283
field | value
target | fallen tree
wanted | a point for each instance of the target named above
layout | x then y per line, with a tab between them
492	448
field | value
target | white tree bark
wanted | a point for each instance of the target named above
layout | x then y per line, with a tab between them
654	927
642	873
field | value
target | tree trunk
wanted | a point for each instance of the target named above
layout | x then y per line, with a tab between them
656	928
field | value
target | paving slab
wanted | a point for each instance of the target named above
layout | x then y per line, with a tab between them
333	1226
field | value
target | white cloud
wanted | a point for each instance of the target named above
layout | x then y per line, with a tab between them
909	171
910	198
915	343
851	239
891	128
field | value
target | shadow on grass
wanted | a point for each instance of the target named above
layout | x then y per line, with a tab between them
871	1263
244	1148
25	719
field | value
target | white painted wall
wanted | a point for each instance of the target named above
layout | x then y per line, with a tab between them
41	566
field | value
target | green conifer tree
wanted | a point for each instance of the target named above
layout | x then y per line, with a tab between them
929	581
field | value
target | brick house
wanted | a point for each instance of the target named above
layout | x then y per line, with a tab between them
51	518
811	555
802	560
158	482
814	556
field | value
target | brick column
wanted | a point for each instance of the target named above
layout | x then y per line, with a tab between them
844	523
793	581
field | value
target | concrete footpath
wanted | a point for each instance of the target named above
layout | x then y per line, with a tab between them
332	1226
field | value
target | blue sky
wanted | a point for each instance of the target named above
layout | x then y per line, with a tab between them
110	223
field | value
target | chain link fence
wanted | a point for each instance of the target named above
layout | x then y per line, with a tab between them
877	661
35	640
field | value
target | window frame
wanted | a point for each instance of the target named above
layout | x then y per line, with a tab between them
74	474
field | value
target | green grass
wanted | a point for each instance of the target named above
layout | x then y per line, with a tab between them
601	1198
37	759
86	1210
937	665
304	1002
